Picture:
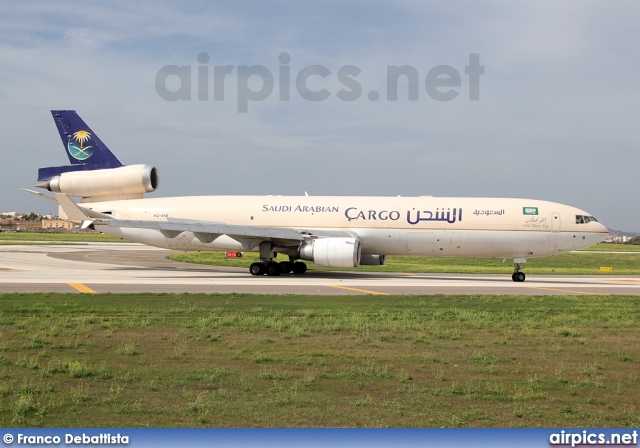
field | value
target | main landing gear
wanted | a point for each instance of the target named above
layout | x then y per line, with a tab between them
273	268
518	275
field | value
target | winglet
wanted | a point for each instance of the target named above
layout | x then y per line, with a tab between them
73	212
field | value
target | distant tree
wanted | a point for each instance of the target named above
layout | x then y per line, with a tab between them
635	241
31	217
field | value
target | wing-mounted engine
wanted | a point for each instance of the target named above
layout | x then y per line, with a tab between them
125	182
333	252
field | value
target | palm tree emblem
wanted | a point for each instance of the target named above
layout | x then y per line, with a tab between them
80	152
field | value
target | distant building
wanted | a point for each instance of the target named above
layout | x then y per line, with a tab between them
53	224
7	223
618	239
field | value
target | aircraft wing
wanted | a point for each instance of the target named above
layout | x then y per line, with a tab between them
248	236
205	231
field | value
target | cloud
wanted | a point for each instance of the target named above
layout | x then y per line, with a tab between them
555	120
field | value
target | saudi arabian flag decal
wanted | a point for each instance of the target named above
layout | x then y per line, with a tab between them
529	210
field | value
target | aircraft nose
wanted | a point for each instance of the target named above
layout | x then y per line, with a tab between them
602	228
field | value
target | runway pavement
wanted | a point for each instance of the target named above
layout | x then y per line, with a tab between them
128	267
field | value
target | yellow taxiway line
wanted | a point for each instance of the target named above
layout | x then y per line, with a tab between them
566	290
82	288
366	291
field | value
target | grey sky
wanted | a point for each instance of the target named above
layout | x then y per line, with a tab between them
558	101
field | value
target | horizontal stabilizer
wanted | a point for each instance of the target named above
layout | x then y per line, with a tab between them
43	196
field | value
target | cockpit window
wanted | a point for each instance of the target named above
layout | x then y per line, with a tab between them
582	219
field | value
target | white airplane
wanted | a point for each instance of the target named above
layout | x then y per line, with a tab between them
331	231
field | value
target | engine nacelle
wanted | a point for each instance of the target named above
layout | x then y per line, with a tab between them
372	260
333	252
125	182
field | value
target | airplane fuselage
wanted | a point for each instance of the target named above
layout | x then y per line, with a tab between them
432	226
330	231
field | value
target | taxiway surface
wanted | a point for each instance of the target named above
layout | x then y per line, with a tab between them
129	267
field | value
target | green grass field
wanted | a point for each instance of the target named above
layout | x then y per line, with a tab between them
57	237
337	361
585	262
40	243
606	247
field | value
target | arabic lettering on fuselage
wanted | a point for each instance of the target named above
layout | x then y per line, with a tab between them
489	212
536	223
440	215
299	208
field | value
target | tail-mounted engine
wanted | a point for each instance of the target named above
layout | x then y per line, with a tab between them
125	182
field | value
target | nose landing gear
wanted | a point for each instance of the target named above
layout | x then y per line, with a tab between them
518	275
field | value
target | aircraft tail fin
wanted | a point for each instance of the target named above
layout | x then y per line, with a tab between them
83	147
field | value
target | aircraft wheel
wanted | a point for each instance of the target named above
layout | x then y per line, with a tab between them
273	269
299	267
519	276
286	266
513	277
257	269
